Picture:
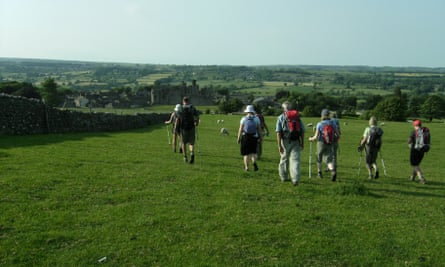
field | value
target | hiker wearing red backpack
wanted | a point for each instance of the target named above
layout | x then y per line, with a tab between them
325	133
290	138
419	143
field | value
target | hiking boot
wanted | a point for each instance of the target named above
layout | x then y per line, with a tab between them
422	180
412	178
255	167
376	175
192	159
185	159
370	177
295	183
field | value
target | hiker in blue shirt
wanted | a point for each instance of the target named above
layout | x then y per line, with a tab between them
289	147
325	132
335	120
249	134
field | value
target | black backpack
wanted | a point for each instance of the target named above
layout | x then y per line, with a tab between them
375	137
187	117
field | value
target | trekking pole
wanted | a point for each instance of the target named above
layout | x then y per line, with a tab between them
310	150
383	164
168	135
197	138
310	160
360	163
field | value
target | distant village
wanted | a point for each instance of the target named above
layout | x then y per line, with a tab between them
161	95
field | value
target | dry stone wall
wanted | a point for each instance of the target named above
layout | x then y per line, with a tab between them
22	116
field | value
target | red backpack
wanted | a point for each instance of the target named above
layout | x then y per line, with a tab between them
293	124
328	132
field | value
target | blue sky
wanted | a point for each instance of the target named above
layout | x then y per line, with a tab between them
227	32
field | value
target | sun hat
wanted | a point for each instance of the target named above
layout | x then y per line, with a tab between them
325	112
249	109
417	123
286	105
177	107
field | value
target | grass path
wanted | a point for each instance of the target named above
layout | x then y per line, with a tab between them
69	200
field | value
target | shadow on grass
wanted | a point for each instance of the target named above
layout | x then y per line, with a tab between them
7	142
411	193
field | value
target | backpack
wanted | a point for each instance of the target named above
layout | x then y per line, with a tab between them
423	139
293	124
187	117
328	132
375	137
249	126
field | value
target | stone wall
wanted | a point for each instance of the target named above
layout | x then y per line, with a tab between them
21	116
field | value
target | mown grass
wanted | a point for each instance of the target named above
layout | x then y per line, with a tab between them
69	200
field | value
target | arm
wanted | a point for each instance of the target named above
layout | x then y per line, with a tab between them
260	132
313	138
265	127
171	119
280	147
240	130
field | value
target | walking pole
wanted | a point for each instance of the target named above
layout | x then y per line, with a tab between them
168	135
310	150
197	137
360	163
383	164
310	160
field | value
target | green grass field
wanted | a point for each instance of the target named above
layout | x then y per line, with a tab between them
70	200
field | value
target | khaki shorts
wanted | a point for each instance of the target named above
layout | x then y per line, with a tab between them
325	152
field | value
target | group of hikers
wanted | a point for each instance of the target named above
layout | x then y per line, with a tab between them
185	119
290	133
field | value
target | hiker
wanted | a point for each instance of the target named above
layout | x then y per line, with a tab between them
176	133
371	142
324	134
335	120
419	143
265	131
290	138
249	134
188	120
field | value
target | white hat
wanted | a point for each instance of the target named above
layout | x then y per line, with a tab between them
249	109
178	107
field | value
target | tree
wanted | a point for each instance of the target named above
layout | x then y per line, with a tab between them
433	107
50	93
391	109
231	105
372	101
414	105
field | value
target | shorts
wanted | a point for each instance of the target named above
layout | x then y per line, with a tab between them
371	155
248	144
188	136
416	157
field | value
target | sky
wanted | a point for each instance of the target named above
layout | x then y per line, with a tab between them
399	33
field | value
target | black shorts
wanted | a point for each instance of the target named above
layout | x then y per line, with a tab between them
416	157
248	144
